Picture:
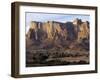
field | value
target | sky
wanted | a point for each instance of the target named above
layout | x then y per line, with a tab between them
44	17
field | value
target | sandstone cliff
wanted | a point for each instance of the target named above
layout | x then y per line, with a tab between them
54	34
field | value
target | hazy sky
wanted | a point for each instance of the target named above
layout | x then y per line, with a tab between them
44	17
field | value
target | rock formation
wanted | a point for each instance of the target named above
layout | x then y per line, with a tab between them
56	34
56	43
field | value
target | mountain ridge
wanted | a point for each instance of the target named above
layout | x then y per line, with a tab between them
56	34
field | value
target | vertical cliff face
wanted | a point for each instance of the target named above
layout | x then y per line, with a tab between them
49	30
58	29
84	31
81	29
32	33
57	34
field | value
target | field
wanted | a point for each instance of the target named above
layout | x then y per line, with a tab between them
58	57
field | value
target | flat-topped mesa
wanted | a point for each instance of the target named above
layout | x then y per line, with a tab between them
53	30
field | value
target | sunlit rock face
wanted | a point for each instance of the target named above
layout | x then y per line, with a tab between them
57	34
50	28
84	31
81	29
